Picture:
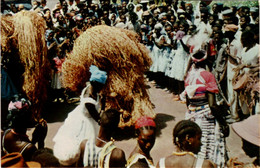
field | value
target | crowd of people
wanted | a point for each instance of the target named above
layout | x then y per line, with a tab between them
206	54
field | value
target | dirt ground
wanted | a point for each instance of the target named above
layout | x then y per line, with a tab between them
168	113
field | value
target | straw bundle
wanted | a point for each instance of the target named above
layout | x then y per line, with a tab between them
26	31
125	60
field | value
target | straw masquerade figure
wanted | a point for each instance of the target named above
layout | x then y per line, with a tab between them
125	60
24	55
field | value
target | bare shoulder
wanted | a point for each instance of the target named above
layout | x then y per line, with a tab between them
208	164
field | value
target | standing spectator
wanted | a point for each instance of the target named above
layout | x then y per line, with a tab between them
19	120
180	59
187	139
133	23
43	5
101	152
200	90
249	60
71	6
35	5
48	19
145	130
233	49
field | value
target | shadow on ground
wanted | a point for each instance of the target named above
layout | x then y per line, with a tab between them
161	122
57	112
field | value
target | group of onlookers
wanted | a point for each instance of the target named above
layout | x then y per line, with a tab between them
206	55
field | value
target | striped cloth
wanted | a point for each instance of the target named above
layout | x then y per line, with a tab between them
91	154
213	143
97	157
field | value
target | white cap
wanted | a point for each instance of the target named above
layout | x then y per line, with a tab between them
144	1
226	12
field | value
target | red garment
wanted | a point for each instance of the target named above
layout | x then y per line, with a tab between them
144	121
208	84
58	63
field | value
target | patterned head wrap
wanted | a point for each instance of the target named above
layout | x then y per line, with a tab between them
144	121
19	113
97	75
18	105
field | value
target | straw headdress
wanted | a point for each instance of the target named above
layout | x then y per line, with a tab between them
119	53
23	35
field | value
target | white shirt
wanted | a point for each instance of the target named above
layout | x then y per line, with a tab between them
250	57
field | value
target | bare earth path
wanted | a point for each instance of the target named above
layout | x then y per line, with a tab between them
168	112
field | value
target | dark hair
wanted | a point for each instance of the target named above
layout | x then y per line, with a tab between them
204	10
20	117
199	55
110	119
185	25
46	158
244	39
215	17
140	163
221	22
183	128
234	20
247	18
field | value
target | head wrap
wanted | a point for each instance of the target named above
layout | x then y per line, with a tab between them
20	104
144	1
97	75
194	59
158	26
248	129
227	12
144	121
180	11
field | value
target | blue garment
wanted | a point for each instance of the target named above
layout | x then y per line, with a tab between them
8	90
97	75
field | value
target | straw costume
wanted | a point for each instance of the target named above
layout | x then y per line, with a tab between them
24	55
118	52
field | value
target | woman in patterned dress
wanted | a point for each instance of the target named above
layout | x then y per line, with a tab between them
200	87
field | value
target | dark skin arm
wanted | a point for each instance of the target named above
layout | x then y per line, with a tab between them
40	133
117	158
214	108
186	48
159	45
92	111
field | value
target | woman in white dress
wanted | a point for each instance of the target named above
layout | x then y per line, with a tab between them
181	58
82	122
